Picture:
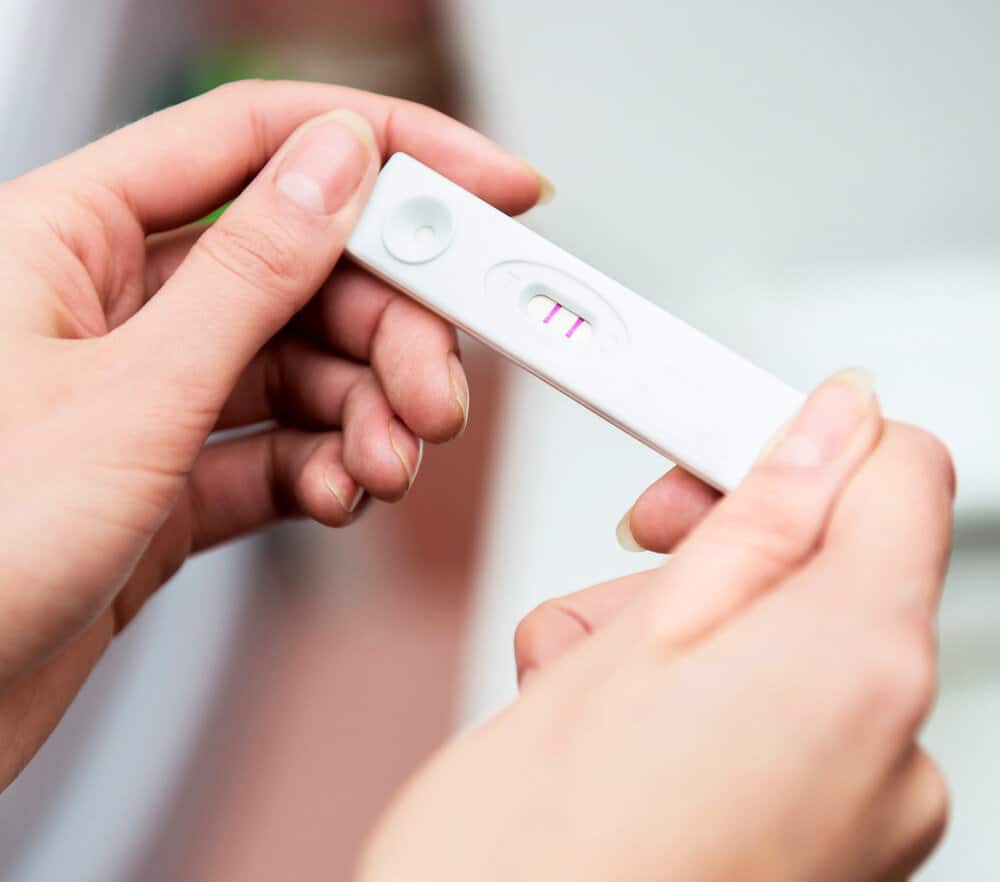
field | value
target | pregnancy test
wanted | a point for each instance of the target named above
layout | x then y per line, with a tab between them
626	359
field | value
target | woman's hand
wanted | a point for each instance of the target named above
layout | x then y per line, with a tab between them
748	711
128	338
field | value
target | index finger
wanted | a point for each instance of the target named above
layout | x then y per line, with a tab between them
179	164
666	512
759	535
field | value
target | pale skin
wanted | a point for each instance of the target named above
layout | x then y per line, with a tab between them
129	337
749	710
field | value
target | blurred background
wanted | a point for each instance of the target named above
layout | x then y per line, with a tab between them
811	183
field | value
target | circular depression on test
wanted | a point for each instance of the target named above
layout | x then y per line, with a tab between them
418	230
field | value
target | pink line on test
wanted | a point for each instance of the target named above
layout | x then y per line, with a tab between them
576	325
552	313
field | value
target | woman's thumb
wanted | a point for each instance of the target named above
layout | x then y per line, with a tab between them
261	261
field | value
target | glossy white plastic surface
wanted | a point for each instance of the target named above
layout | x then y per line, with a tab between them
642	369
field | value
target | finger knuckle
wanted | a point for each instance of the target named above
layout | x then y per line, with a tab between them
898	678
243	88
939	463
928	456
262	258
533	633
935	805
528	636
767	526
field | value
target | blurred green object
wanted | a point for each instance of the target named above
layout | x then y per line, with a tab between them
224	64
220	65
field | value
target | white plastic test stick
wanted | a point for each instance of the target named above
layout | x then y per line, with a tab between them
642	369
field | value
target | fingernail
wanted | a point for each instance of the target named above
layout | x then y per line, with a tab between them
326	162
546	189
346	492
459	388
825	425
409	451
623	532
420	458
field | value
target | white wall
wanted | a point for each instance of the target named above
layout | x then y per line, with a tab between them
814	184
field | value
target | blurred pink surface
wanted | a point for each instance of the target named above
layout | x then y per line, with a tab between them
345	680
306	16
